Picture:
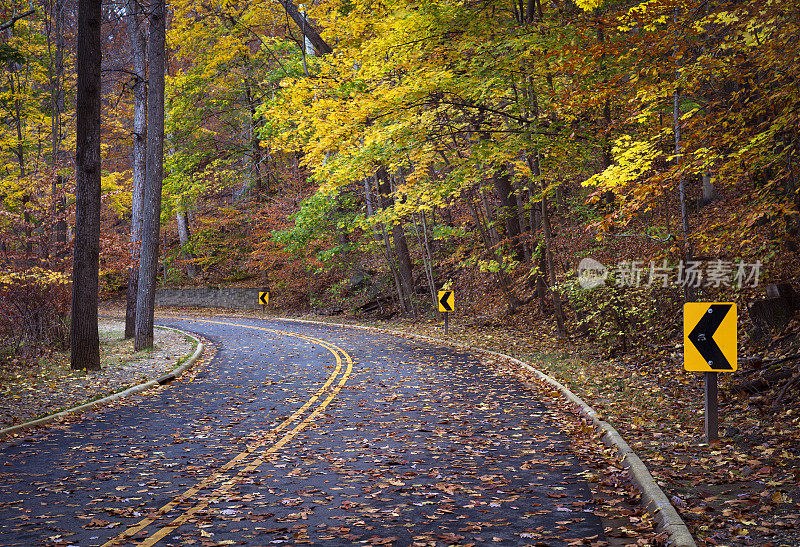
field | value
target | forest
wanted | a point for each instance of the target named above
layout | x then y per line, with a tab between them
574	171
357	157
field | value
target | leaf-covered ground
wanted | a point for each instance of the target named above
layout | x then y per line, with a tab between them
423	446
741	491
32	390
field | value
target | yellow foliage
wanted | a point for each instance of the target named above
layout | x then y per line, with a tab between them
632	160
36	275
589	5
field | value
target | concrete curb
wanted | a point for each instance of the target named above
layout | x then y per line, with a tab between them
165	379
653	498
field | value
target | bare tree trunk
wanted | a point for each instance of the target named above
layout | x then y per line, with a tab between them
688	292
310	33
28	224
138	44
492	250
508	213
59	226
404	266
494	238
524	243
541	288
184	234
709	192
559	312
404	256
427	258
382	237
84	337
59	207
258	156
536	222
148	265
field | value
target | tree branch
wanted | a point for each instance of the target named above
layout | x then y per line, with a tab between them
311	33
9	24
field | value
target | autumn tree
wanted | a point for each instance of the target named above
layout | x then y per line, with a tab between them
84	337
151	209
135	27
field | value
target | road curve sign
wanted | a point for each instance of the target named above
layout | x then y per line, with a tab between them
709	336
447	301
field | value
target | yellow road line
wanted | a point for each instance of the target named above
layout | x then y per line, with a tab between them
191	492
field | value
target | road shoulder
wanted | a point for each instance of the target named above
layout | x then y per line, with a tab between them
53	391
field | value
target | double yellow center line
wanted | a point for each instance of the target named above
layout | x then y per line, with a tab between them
258	445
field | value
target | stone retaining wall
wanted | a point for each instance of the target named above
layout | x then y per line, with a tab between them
206	297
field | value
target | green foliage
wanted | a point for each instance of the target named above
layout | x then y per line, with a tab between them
10	54
610	314
319	218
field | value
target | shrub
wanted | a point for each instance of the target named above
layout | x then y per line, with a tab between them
610	314
34	310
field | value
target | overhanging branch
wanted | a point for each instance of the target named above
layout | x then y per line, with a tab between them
10	23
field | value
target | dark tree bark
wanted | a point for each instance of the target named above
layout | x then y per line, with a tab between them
508	213
255	141
84	339
136	34
404	265
320	45
151	225
59	208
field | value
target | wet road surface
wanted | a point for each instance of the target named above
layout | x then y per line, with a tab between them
296	434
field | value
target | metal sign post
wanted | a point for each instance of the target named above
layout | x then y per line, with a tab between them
447	303
711	406
709	346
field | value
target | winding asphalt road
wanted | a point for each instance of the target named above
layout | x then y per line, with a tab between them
296	434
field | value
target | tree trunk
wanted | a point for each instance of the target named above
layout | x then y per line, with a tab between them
508	213
382	237
427	258
60	206
59	229
688	292
536	222
513	302
559	312
27	223
403	254
255	144
148	265
310	32
84	338
184	234
524	242
404	267
494	237
709	192
138	44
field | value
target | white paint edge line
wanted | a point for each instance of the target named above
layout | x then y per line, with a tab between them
653	498
166	378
